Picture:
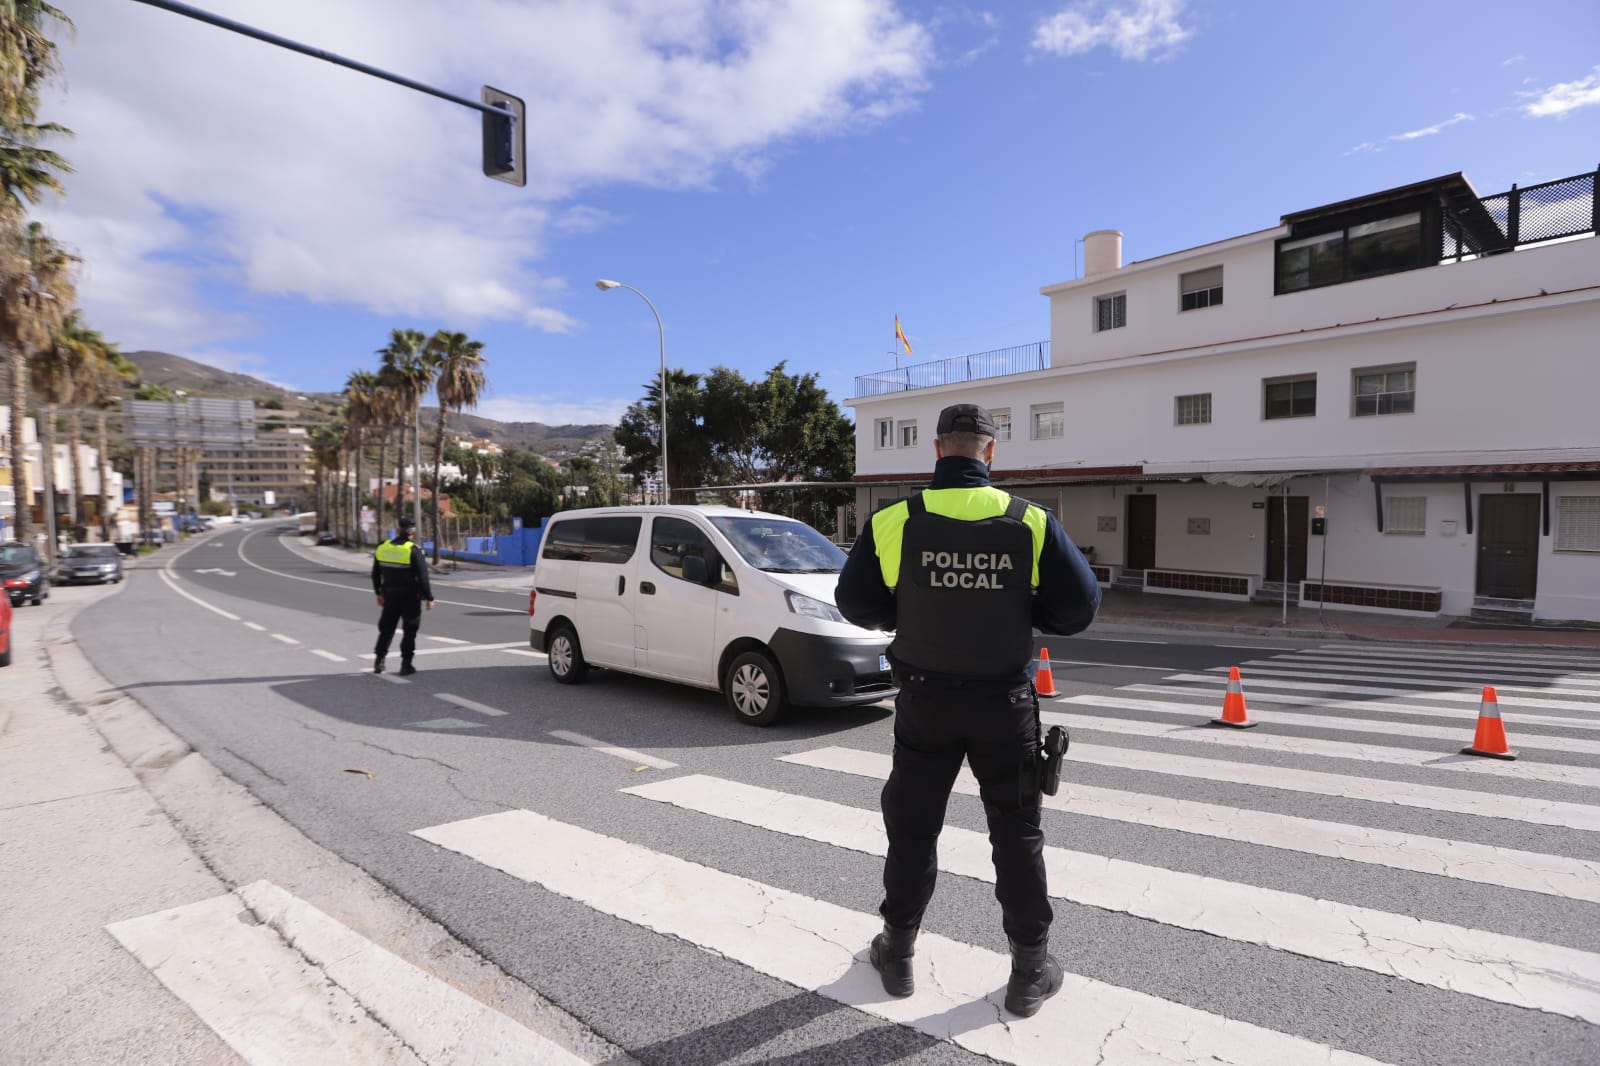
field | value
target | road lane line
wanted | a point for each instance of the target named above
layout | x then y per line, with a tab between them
1434	653
172	583
471	705
1463	734
1556	773
257	626
524	651
1257	680
821	947
1552	875
446	640
1552	978
330	656
1456	714
1272	669
1443	668
333	995
284	639
460	648
621	753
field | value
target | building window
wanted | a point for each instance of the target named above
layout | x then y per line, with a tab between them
1002	423
1200	288
1387	391
1049	421
1110	312
1578	523
1193	410
1363	250
1405	515
908	434
1294	397
885	433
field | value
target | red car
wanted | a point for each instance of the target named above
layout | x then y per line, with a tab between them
5	630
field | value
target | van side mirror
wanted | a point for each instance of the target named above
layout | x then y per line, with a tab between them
694	569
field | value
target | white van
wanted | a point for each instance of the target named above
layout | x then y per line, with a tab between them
714	597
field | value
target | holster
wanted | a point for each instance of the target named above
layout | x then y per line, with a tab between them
1041	768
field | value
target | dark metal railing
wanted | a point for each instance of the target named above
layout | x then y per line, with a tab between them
1549	211
992	364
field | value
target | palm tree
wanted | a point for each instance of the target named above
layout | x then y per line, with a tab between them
382	405
409	368
327	448
50	296
112	372
28	57
461	381
360	390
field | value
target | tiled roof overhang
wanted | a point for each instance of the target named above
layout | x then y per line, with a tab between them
1490	472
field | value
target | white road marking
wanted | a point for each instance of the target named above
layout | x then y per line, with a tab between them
1435	653
1334	749
276	1004
820	946
1456	714
461	648
257	626
216	570
172	583
524	651
1462	733
1434	668
448	640
1553	875
447	723
1126	640
471	705
1550	978
1271	669
284	639
621	753
1256	680
1109	666
330	656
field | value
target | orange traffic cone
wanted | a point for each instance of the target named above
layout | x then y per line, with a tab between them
1044	682
1490	739
1233	713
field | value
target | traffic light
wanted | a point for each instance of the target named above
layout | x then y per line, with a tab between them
505	138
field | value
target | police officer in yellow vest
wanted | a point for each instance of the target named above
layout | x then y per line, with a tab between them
400	579
964	573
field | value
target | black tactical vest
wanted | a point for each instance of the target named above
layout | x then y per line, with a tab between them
965	594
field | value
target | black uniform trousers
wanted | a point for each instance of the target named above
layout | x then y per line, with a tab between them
403	609
994	729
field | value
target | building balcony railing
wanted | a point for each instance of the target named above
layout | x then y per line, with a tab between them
1552	211
1020	359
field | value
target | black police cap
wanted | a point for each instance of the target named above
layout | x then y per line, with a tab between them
965	418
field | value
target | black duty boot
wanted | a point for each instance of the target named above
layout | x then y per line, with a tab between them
406	667
377	665
1035	977
891	957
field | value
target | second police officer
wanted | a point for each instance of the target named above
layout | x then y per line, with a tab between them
964	573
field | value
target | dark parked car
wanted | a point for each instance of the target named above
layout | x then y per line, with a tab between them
95	563
327	536
22	574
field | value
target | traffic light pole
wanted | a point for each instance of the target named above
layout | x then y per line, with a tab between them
501	112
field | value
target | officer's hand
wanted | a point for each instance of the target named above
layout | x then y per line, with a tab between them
430	605
380	601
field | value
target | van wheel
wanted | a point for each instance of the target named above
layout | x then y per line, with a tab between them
754	689
566	656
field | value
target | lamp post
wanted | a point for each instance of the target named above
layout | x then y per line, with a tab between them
603	285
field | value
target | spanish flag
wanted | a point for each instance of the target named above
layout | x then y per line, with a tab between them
900	334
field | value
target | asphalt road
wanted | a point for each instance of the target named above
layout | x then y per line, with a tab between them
260	659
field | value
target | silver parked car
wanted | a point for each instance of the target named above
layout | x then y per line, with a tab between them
95	563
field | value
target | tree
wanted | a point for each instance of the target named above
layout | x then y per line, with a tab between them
688	446
360	398
49	272
28	58
108	374
461	381
407	372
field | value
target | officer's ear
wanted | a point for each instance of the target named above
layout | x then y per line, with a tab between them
988	453
938	449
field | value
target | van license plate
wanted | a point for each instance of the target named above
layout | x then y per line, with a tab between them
883	663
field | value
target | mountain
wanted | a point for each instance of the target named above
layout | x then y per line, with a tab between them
309	408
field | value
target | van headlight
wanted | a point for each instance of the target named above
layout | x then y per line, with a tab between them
812	607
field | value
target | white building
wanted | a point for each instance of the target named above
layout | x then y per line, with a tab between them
61	470
1394	403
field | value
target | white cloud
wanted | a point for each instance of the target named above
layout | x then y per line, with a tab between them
1518	58
1411	135
553	411
1564	98
206	159
1133	29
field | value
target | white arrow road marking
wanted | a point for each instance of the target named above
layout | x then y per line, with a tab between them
1492	966
471	705
333	996
821	946
218	570
1553	875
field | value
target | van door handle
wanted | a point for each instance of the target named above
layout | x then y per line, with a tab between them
647	588
622	583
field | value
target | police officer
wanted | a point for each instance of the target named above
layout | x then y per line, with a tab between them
400	579
964	573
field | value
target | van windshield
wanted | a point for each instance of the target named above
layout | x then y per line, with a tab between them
781	546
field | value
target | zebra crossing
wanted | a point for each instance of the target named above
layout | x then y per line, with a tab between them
1407	805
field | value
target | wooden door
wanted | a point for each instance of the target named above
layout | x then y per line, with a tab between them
1299	522
1141	532
1508	545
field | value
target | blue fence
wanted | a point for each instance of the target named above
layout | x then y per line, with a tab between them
517	548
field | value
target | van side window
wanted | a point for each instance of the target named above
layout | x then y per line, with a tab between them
673	539
593	540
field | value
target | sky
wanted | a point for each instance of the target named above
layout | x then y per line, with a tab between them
780	178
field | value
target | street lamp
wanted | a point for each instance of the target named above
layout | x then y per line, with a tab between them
603	285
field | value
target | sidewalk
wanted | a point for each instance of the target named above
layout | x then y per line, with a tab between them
1137	612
